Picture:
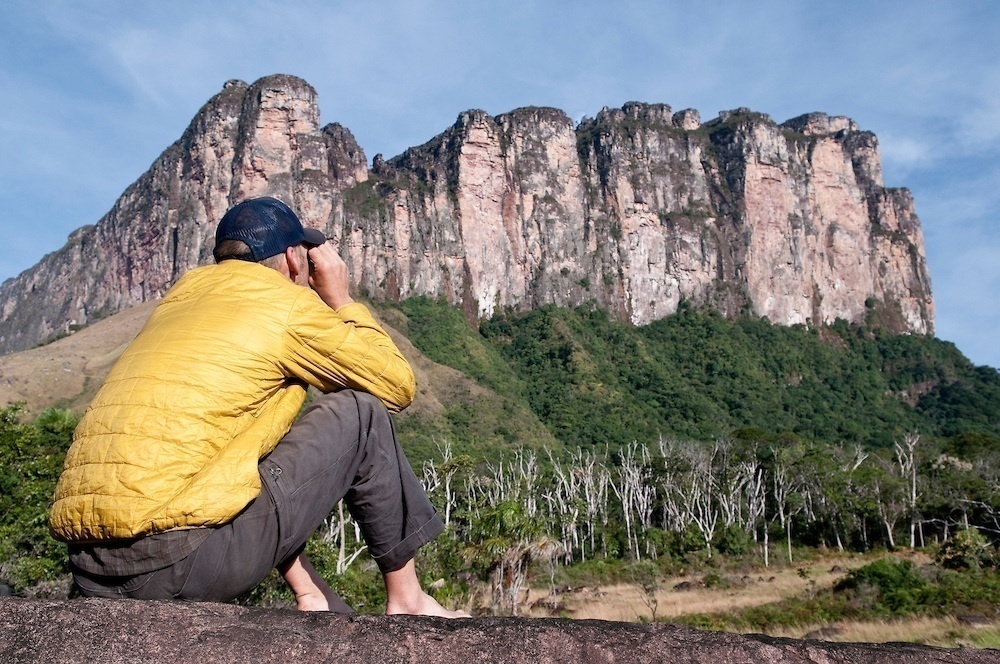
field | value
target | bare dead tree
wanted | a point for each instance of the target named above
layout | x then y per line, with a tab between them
336	533
629	487
887	498
563	502
525	471
430	479
729	481
756	499
905	459
848	466
676	516
595	478
696	492
784	485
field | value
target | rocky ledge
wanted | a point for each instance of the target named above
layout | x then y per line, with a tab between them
113	631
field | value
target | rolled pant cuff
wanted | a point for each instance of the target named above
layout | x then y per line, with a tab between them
402	553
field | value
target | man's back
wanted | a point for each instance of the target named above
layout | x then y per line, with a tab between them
209	386
187	479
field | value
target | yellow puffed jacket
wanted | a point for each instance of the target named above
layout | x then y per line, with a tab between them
210	385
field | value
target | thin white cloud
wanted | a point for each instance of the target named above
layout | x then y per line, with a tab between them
904	152
978	124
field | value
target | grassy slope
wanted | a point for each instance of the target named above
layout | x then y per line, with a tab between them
68	372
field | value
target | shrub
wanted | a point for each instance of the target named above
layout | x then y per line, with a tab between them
31	457
886	574
733	540
968	549
714	580
900	586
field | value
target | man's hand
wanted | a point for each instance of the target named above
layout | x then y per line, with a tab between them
328	276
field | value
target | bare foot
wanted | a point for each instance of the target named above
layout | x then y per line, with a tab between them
422	605
311	602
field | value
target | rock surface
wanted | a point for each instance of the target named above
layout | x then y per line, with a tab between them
119	631
634	210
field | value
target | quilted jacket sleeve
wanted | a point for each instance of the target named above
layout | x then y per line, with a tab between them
346	348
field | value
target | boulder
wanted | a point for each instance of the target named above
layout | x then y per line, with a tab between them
119	631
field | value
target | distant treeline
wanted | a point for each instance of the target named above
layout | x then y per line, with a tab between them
730	496
754	496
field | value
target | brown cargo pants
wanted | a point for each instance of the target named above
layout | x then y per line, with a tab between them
343	447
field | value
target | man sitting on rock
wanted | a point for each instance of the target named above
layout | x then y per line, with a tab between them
186	477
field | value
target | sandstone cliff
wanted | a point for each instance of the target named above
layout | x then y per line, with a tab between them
634	210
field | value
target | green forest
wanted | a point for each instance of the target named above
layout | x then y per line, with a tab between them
595	382
604	450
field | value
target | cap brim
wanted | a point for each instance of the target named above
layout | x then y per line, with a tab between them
313	237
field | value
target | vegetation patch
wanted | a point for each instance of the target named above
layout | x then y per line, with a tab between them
593	452
885	589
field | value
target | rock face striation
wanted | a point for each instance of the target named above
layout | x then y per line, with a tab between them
120	631
634	210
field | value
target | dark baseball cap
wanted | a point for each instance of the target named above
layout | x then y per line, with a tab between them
267	226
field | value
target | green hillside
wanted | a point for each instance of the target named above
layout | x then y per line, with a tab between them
698	376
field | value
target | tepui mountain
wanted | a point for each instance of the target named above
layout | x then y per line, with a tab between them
634	211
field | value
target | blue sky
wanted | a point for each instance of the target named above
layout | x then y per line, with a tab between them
93	93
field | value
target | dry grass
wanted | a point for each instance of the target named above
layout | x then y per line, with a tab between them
947	632
629	603
68	372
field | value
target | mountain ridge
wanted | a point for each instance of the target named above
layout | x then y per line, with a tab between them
634	210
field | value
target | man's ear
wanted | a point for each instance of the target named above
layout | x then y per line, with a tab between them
294	263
